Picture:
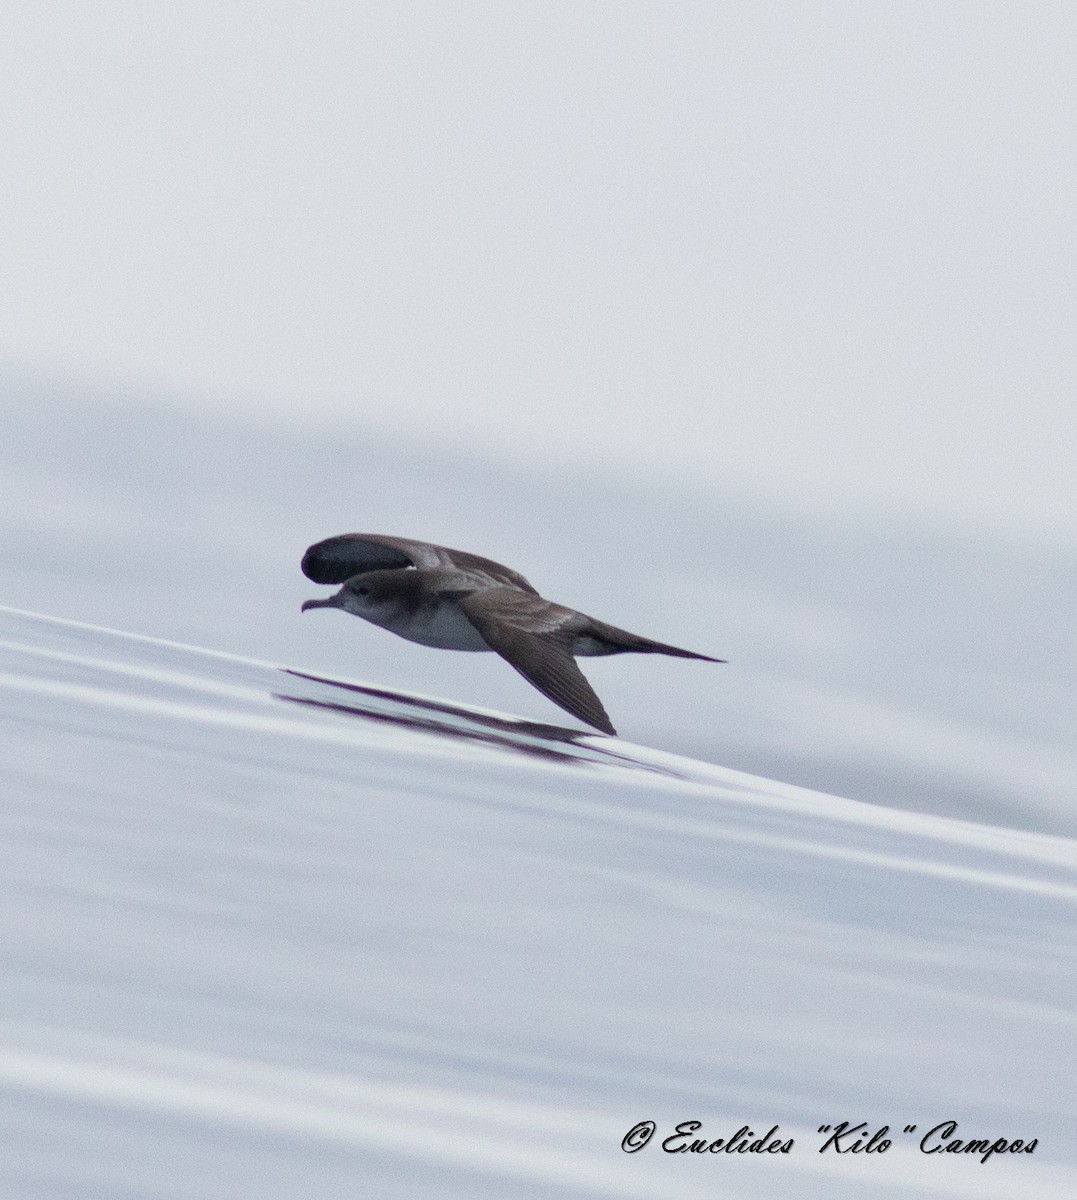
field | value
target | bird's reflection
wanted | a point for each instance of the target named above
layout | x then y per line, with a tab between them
534	738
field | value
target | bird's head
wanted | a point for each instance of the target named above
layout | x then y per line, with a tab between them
375	595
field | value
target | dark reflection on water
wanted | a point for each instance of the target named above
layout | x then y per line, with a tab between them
533	738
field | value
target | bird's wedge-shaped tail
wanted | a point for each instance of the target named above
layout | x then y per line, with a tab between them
620	641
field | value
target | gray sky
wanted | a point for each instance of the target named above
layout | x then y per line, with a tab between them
822	251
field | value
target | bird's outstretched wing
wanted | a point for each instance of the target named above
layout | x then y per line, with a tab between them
339	558
536	637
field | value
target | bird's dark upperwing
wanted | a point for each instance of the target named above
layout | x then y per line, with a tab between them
339	558
536	638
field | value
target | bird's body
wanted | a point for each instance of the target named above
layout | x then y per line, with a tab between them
441	624
454	600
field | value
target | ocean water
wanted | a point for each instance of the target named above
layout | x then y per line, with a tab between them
273	934
292	907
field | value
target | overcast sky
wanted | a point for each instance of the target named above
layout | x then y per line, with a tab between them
815	250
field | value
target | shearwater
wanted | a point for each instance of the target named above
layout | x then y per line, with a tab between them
454	600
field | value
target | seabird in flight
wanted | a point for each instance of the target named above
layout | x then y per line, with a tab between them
454	600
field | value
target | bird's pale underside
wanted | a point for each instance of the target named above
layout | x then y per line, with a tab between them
454	600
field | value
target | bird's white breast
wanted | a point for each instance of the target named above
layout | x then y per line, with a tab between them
442	626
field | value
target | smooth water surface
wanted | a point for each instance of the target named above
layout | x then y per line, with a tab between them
271	934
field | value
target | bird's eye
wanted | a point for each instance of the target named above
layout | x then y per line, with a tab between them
362	590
